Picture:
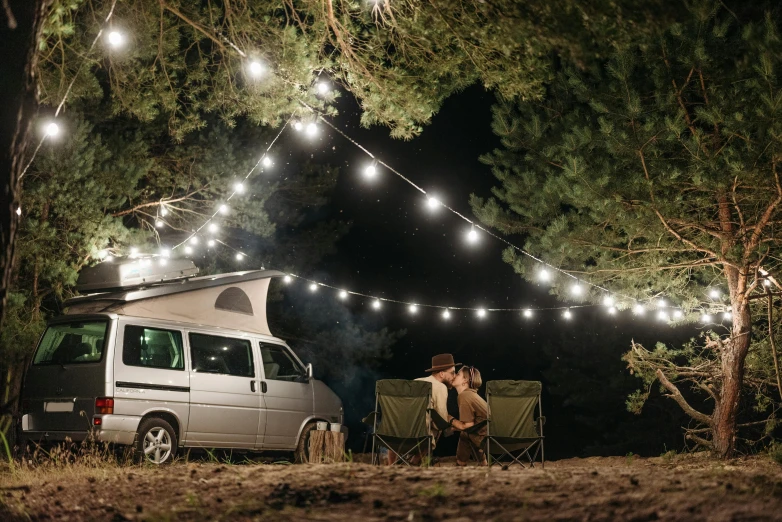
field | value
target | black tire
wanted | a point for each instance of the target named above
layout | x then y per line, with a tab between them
302	453
156	442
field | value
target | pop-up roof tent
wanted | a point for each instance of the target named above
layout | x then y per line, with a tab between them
142	288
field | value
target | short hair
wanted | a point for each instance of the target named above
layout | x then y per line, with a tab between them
476	377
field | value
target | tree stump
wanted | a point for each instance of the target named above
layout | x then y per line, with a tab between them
326	447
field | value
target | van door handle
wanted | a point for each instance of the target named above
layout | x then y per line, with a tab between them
252	386
263	386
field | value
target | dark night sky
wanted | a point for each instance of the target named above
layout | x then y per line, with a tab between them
397	248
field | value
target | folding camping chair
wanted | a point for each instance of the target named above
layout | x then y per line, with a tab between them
513	431
401	420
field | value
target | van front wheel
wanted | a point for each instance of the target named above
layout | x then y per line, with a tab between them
302	453
156	442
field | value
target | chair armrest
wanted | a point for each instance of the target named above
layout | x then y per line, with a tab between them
438	421
370	418
475	428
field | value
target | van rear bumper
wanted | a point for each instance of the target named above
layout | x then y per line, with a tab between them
118	429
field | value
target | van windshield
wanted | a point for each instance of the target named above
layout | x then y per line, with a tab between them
72	343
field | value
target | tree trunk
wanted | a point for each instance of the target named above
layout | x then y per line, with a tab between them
21	22
734	355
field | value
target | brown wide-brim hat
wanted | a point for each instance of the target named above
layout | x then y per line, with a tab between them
441	362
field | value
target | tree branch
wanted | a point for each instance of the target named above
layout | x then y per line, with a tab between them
680	400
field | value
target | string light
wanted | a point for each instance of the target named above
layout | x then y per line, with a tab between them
287	279
577	289
213	227
115	38
639	309
714	293
543	275
343	294
727	316
159	223
223	209
18	211
239	187
376	304
102	254
266	161
323	88
433	203
370	171
706	318
567	314
313	287
52	129
163	210
662	316
446	314
608	301
661	303
239	256
678	314
194	240
298	126
256	69
472	235
188	250
766	282
312	130
164	252
133	252
527	313
108	259
211	243
612	310
481	313
413	309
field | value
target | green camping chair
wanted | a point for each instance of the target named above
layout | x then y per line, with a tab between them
401	420
513	431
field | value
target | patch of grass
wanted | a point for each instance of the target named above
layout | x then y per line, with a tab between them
629	458
669	456
436	490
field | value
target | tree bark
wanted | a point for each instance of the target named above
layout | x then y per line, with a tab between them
21	22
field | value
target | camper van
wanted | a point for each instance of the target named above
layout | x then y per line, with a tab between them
158	359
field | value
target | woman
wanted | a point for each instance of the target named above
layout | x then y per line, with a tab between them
472	410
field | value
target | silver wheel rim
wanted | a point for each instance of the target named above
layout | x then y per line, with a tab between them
157	445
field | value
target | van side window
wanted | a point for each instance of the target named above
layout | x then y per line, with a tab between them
279	364
225	355
152	348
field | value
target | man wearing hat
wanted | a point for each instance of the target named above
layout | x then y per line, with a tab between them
441	375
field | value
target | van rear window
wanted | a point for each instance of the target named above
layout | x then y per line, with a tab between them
72	343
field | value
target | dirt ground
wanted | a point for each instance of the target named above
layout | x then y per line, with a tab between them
682	487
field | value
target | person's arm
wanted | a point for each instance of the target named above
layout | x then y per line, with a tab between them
441	402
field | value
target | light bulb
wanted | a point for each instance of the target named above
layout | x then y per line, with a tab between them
567	314
323	88
577	289
343	294
266	161
223	209
612	310
109	259
159	223
662	316
472	235
678	314
239	256
766	282
133	252
188	250
446	314
706	318
661	303
543	275
413	309
639	309
18	211
527	313
313	287
481	313
714	293
298	126
116	39
164	252
256	69
608	301
52	129
287	279
210	243
370	171
433	203
213	227
727	316
102	254
312	129
376	304
163	211
194	240
239	188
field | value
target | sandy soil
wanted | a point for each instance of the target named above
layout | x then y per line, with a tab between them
615	488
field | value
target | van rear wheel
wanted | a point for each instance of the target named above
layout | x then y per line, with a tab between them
302	453
156	442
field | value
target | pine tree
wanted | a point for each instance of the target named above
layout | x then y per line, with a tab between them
657	176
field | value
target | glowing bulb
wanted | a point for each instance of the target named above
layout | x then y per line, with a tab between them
433	203
163	211
343	294
159	223
210	243
312	130
370	171
102	254
52	129
163	262
662	316
164	252
256	68
239	188
714	294
298	126
133	252
639	309
213	227
766	282
188	250
18	211
223	209
446	314
577	289
608	301
376	304
481	313
323	88
313	287
612	310
706	318
239	256
413	309
194	240
567	314
472	235
727	316
116	39
678	314
543	275
266	161
109	259
287	279
661	303
527	313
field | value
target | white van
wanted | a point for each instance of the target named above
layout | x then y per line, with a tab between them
174	362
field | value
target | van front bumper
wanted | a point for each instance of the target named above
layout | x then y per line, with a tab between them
117	429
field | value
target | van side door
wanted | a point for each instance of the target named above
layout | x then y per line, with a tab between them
149	370
224	396
287	391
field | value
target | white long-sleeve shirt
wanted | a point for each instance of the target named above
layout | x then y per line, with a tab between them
439	401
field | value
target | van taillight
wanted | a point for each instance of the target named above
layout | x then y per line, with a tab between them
104	405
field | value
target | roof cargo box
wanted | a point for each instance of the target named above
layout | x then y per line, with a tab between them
133	272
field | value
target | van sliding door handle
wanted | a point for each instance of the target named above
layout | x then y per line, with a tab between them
263	386
252	386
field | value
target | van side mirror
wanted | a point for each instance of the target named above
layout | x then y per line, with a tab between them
308	369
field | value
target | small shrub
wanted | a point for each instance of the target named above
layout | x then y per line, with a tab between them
775	452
